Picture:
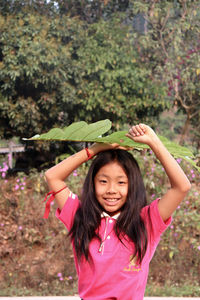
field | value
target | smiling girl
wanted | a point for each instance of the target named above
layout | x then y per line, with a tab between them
114	232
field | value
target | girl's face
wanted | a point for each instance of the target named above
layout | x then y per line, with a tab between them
111	187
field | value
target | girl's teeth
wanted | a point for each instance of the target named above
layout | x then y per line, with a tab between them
112	200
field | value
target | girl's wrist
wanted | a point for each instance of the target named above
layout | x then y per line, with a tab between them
93	150
89	153
155	143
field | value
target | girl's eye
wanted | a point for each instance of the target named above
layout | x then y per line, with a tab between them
122	182
103	181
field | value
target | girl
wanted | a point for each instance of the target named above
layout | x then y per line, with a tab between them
114	232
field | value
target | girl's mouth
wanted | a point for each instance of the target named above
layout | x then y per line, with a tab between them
111	201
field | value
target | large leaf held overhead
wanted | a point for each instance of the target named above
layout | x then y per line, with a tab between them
78	132
82	132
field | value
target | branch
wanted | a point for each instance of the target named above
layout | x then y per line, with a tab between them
165	20
194	114
163	45
182	17
186	107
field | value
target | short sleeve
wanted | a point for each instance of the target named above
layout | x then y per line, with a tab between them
155	224
66	215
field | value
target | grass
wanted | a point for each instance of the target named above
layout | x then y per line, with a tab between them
151	290
184	290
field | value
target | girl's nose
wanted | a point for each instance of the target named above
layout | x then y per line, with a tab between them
111	189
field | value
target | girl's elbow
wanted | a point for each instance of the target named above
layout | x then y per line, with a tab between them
47	175
186	187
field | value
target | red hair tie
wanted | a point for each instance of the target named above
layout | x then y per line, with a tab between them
48	204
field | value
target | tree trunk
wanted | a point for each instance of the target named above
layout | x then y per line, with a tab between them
185	129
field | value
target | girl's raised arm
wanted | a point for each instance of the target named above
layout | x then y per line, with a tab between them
180	184
57	175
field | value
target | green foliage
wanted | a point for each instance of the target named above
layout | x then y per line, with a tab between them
92	63
79	131
170	48
89	11
114	84
34	84
44	7
82	132
54	71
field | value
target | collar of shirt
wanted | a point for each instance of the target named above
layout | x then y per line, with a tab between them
104	215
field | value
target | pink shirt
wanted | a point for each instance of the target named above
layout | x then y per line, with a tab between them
113	275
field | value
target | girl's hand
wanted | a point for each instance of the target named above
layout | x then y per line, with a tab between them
142	134
99	147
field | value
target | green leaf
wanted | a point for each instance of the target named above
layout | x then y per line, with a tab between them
78	131
177	150
121	138
82	132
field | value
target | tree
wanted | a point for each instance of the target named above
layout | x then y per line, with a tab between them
43	7
170	47
35	87
55	70
114	83
86	10
91	11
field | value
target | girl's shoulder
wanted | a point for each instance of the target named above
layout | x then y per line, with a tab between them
153	206
66	215
152	218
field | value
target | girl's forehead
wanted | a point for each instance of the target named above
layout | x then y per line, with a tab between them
112	169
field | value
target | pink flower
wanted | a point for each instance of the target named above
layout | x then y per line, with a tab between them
179	160
5	168
198	248
75	173
16	187
59	274
20	227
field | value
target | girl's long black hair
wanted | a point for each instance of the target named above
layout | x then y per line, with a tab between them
129	223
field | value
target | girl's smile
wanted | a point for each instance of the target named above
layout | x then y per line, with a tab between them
111	187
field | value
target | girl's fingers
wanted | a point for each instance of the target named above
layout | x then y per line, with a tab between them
125	148
137	130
